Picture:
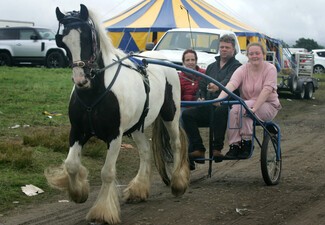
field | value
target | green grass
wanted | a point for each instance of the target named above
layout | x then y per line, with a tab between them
321	77
25	93
41	141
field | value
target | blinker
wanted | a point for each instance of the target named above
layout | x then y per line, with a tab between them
58	40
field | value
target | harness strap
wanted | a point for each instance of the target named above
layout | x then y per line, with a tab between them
90	108
119	61
140	124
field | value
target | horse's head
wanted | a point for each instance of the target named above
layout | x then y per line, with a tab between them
79	38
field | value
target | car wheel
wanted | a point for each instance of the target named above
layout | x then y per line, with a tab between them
309	91
318	69
55	60
5	59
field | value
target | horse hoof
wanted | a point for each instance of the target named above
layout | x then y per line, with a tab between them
97	223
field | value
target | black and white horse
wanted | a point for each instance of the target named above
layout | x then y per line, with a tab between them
112	96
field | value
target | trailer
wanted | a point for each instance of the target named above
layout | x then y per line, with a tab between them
297	78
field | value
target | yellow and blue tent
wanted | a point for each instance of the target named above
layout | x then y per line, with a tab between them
148	20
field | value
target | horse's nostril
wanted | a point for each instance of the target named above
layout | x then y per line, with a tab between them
82	83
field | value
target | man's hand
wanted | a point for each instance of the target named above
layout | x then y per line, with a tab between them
212	87
216	103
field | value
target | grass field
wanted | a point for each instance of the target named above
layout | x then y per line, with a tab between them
31	139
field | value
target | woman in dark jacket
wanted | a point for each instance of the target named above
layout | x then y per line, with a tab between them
190	82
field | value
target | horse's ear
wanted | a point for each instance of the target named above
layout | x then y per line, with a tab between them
83	12
59	14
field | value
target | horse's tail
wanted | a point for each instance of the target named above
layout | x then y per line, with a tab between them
162	151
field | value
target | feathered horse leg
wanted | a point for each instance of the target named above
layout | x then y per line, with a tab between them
139	188
71	176
107	205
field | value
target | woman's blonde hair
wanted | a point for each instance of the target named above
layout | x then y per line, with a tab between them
258	44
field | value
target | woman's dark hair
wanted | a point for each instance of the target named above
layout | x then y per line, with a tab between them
189	51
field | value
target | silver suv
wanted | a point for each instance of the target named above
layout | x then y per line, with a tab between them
30	45
319	60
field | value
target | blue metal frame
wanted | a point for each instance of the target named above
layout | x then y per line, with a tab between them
237	100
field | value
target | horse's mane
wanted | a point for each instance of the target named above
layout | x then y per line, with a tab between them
107	47
106	44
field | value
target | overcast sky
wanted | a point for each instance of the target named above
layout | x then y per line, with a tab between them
287	20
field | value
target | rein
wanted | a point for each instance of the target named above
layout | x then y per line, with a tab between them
91	107
91	69
94	70
140	124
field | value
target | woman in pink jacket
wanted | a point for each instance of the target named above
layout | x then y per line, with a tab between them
257	84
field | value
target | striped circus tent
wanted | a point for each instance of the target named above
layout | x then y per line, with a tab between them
148	20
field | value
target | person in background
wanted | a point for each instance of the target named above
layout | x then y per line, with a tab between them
189	82
257	84
195	117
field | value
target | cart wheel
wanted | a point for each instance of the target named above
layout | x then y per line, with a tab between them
270	165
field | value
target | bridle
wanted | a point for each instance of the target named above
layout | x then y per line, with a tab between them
91	67
72	20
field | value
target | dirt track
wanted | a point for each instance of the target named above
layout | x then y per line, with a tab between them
236	192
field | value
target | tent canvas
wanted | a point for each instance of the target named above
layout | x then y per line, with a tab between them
148	20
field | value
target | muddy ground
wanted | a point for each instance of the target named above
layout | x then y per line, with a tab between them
236	192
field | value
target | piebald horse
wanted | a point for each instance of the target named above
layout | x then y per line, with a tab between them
113	95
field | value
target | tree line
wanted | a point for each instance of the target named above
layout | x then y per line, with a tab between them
306	43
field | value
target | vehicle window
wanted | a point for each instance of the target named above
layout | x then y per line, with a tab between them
26	34
46	34
185	40
321	54
168	42
8	34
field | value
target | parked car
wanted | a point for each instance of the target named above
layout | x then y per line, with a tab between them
30	45
204	41
319	60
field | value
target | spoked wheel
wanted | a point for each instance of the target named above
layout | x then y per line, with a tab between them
271	165
55	60
5	59
318	69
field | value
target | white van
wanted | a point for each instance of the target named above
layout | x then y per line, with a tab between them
204	41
